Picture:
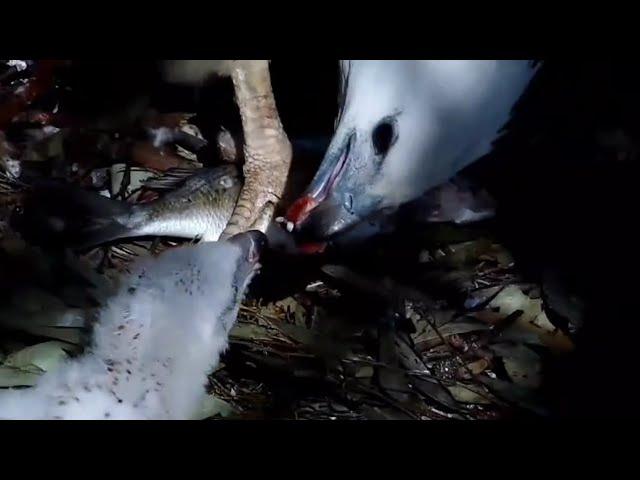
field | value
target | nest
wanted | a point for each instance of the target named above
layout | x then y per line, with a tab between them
444	328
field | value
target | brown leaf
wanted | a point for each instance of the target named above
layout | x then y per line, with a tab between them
489	317
522	364
474	368
144	154
434	390
455	327
481	296
294	310
533	319
167	120
468	394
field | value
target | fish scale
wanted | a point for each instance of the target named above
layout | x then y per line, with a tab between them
199	207
199	210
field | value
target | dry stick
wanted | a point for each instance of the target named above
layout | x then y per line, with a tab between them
390	291
455	352
430	302
397	292
361	388
416	295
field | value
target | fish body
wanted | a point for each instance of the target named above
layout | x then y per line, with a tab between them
70	216
201	208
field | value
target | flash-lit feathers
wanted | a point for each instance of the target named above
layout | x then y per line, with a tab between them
154	343
448	114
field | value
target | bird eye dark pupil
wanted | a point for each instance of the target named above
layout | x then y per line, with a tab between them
383	137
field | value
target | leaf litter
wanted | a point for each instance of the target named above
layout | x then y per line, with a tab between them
460	337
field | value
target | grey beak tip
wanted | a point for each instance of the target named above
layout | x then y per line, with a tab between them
252	242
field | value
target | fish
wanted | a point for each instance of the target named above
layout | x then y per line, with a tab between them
55	214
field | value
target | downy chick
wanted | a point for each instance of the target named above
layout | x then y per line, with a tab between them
155	341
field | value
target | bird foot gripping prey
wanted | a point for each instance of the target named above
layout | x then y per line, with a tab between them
267	150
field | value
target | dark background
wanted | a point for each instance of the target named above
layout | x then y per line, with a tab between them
567	193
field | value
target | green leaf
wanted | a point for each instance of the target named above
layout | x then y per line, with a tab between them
42	357
14	377
465	394
212	407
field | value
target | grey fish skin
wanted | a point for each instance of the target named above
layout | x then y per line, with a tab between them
59	215
200	208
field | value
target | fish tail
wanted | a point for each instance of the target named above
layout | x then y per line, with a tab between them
60	215
101	232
